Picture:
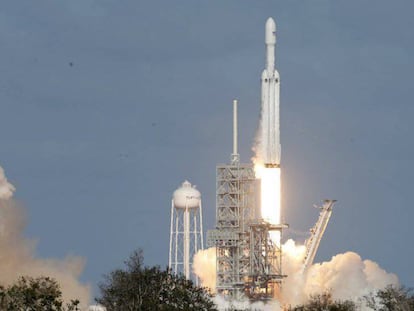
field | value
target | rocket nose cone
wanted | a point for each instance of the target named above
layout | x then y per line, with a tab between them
270	24
270	31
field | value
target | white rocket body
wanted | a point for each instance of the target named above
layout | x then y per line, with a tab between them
270	126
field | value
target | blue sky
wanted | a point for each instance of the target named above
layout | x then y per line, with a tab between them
107	106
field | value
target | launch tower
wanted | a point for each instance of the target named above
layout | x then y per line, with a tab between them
248	263
235	208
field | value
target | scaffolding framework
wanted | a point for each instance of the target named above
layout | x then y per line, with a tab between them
247	262
234	210
265	261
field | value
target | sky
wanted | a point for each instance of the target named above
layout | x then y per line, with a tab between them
107	106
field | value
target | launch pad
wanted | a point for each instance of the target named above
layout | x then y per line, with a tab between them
248	232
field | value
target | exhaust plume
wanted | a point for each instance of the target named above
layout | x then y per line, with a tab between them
17	253
346	276
224	305
204	266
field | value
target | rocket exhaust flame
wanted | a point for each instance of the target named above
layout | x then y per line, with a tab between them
270	197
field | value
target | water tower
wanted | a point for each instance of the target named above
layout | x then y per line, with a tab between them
186	233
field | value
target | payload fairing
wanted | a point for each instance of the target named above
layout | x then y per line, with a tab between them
270	126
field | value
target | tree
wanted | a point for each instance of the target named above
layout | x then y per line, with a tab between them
325	302
138	287
391	298
34	294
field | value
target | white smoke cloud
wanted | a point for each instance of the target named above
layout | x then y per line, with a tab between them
223	305
96	308
17	256
204	266
346	276
6	188
292	262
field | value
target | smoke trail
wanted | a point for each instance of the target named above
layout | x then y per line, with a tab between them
17	252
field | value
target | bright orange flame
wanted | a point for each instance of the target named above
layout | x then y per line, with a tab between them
270	197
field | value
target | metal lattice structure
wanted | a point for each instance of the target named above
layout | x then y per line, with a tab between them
265	261
247	262
234	211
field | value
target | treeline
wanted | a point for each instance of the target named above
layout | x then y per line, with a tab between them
390	298
34	294
134	288
137	287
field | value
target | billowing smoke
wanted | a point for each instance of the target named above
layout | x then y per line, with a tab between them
96	308
17	256
6	188
223	305
204	266
345	276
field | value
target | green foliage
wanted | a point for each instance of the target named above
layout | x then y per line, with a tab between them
325	302
137	288
34	294
391	298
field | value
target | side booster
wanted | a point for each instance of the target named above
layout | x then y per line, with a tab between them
270	101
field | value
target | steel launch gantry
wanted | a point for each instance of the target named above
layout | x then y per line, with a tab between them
234	209
248	263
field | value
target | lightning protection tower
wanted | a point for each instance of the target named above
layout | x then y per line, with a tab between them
235	209
186	233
